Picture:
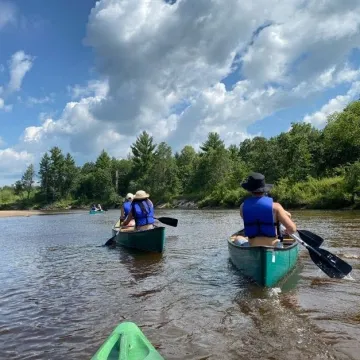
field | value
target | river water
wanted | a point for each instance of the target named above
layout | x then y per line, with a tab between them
61	294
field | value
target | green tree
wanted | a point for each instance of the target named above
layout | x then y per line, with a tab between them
213	142
57	167
121	170
46	179
352	180
70	175
18	188
341	137
143	153
163	181
186	162
28	179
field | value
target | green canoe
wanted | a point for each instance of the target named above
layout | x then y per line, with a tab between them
152	240
264	264
127	342
96	211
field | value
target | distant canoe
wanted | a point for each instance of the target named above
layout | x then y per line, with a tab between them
152	240
127	342
265	264
96	211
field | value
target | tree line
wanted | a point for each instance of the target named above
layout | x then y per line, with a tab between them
309	167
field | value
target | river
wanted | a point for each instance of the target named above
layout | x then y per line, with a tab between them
61	294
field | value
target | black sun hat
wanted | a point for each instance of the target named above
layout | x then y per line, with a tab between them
256	183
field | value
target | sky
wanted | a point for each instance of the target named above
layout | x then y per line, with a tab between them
91	75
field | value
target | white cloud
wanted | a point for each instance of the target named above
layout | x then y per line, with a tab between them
338	103
31	101
19	64
157	55
160	68
7	13
13	163
6	108
93	88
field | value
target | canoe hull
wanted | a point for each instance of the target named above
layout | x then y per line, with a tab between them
127	342
148	240
264	264
96	212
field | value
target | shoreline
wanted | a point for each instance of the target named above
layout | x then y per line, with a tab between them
27	213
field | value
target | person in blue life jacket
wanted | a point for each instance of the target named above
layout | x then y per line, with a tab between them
93	207
142	211
125	209
262	216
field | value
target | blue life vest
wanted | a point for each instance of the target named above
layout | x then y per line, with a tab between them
143	212
127	208
258	217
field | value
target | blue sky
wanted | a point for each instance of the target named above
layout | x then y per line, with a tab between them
53	35
88	77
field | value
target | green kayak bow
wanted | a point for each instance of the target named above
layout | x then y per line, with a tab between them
127	342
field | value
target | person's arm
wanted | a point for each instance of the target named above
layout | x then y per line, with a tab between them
128	219
241	210
284	218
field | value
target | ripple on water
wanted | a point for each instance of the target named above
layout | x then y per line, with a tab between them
62	294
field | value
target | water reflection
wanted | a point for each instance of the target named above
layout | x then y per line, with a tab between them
61	295
140	264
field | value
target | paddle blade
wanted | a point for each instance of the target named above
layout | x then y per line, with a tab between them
168	221
329	263
310	238
111	241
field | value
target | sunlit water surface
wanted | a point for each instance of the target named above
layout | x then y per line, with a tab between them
62	294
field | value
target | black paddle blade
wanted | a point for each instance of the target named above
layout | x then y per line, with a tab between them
329	263
310	238
111	241
168	221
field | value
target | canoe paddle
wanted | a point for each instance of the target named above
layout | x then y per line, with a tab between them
111	240
310	238
168	221
329	263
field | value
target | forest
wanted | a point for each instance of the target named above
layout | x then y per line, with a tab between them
311	168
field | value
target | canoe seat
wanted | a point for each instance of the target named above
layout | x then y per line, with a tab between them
131	228
238	236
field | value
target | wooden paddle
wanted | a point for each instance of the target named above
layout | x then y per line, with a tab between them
329	263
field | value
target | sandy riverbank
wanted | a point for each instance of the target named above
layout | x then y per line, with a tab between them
11	213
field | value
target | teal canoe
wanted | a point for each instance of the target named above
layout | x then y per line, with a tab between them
127	342
267	265
96	211
152	240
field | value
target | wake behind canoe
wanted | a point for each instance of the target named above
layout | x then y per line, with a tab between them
127	342
266	265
